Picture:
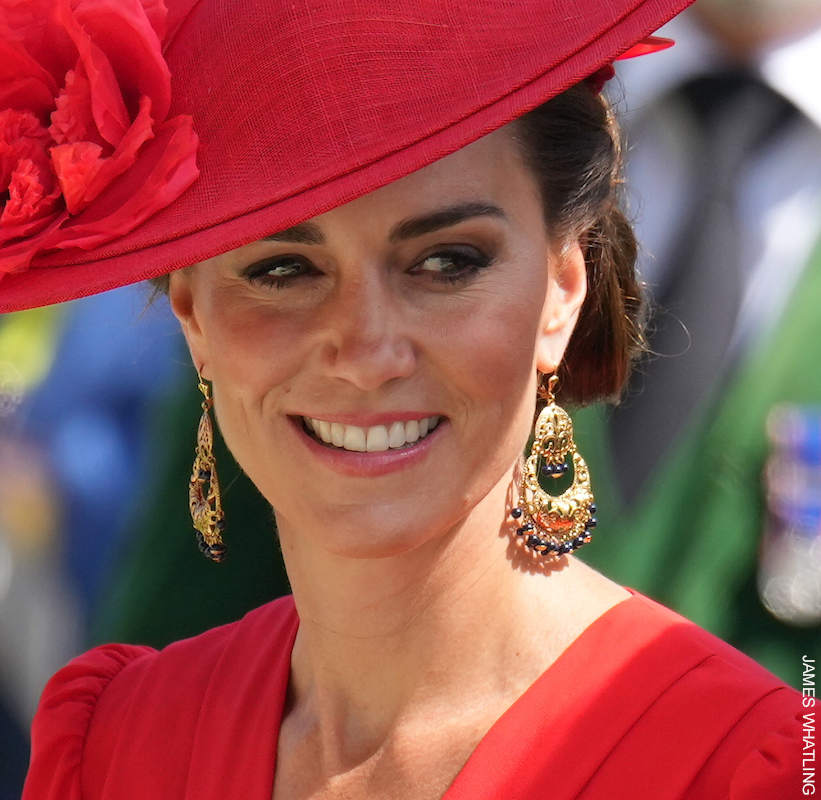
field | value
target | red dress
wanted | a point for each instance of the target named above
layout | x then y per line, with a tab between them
643	704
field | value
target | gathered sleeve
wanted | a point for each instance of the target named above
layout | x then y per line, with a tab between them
63	718
772	771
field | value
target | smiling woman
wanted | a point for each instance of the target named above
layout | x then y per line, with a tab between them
380	284
437	296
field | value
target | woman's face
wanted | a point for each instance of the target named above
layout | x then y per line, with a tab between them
429	303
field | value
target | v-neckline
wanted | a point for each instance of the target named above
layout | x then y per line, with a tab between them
560	683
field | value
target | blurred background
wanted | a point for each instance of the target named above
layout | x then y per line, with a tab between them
708	476
79	384
98	416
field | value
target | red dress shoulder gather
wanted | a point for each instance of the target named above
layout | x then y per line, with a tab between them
643	704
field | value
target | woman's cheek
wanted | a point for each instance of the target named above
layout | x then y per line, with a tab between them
495	345
254	345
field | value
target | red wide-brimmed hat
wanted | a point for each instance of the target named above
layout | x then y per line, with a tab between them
135	139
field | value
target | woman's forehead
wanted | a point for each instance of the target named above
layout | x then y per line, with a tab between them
486	178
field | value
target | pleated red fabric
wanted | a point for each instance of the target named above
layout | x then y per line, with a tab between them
643	704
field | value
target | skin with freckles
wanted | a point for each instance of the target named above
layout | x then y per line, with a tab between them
440	294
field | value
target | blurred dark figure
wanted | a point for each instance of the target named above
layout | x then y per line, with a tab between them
711	490
13	755
163	589
78	383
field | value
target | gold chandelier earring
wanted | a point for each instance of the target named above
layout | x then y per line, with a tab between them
553	525
203	489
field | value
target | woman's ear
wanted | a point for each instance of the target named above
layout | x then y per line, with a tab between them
181	299
567	287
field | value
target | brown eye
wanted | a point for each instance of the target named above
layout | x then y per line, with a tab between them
280	272
453	264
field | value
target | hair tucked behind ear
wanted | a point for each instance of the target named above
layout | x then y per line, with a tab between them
572	143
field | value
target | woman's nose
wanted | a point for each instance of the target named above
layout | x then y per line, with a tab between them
366	341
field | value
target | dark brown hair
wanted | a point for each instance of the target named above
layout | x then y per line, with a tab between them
572	144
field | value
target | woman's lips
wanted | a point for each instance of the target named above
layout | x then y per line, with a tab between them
365	463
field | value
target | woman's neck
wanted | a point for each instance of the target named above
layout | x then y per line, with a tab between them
454	625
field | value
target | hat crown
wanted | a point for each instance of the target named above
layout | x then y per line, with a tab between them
287	97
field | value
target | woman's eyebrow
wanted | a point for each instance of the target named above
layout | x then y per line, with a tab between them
309	233
303	233
428	223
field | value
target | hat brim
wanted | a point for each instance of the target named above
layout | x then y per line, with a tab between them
290	142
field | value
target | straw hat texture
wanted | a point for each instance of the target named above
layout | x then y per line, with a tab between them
138	137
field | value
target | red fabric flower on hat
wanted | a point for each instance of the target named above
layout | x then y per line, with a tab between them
86	151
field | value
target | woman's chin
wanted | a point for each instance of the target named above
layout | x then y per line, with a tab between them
364	536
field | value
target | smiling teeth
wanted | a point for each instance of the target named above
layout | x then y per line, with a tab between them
372	440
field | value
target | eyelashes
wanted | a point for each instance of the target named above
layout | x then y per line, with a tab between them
280	272
452	265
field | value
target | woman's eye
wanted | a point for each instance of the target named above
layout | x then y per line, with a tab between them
453	265
280	272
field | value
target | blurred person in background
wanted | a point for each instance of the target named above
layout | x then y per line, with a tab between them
710	470
29	575
116	360
78	383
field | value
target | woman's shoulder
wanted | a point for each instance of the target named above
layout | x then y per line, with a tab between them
61	724
741	724
196	657
85	706
63	717
677	655
682	642
649	705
